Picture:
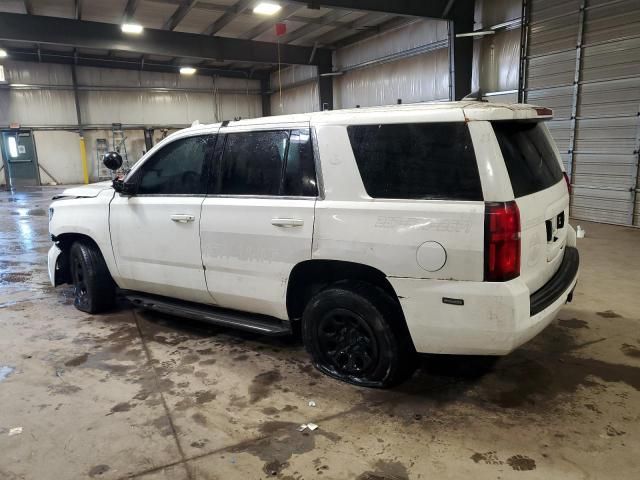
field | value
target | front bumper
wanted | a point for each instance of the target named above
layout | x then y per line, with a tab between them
52	260
494	318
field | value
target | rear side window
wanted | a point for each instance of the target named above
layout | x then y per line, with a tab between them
416	161
528	155
253	162
300	172
268	163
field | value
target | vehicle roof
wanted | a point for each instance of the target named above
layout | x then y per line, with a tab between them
468	110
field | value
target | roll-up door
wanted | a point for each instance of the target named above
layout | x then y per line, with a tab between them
583	61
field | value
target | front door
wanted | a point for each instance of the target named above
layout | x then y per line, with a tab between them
155	233
257	222
20	161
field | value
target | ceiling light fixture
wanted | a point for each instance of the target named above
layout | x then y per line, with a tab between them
3	53
187	70
266	8
478	33
132	28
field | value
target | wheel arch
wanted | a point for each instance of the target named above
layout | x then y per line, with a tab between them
310	276
64	242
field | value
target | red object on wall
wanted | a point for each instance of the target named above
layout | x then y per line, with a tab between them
281	29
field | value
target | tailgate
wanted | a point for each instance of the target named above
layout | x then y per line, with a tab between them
541	193
544	221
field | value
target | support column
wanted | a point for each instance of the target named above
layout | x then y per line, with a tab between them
265	94
575	93
462	16
83	147
325	86
524	51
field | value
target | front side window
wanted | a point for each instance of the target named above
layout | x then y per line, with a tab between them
416	161
176	169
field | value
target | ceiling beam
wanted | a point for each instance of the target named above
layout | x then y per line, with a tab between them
227	17
312	27
130	10
414	8
181	12
68	58
363	35
213	7
368	22
286	12
105	36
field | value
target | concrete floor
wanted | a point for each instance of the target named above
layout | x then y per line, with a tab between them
135	394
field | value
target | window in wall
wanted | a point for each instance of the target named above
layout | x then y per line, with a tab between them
300	172
178	168
416	161
13	147
252	163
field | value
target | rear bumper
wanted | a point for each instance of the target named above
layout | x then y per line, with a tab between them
555	287
493	319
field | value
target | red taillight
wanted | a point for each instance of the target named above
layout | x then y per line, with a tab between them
566	179
502	241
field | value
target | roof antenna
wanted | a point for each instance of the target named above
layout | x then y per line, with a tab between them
475	96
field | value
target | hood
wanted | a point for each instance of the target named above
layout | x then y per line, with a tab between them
84	191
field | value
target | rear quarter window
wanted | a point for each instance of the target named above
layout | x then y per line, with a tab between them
528	155
416	161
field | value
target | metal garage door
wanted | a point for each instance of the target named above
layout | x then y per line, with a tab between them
583	60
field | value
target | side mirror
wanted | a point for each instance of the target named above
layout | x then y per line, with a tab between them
112	160
125	188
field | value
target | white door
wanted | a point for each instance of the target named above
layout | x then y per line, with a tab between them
155	233
258	224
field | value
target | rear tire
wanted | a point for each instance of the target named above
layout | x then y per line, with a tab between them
94	289
355	332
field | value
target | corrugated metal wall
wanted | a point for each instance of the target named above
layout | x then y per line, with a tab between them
496	57
583	61
295	90
410	63
40	96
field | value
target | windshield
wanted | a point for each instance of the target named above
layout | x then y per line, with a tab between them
528	155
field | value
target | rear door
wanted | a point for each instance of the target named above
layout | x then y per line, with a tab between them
539	188
257	221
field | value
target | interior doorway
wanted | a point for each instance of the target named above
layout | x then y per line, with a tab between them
20	159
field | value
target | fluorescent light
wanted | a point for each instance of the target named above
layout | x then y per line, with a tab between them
3	53
187	70
132	28
479	33
266	8
332	74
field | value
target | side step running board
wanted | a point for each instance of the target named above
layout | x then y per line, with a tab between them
251	322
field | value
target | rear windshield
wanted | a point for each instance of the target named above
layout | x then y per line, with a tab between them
416	161
529	156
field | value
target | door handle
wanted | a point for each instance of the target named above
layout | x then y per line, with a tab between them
182	217
287	222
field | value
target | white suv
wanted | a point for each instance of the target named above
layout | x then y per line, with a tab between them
439	228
